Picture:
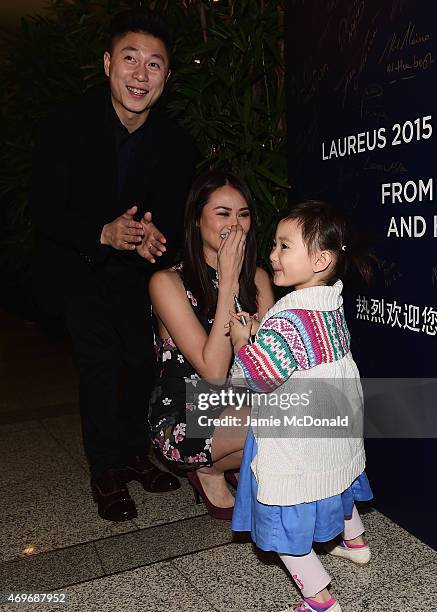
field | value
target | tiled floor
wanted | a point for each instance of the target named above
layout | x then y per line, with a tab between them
173	557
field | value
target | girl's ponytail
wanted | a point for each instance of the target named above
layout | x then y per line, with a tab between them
354	258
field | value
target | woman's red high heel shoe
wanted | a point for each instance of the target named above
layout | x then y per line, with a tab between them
215	511
231	479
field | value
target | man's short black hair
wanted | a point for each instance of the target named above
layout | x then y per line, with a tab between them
139	20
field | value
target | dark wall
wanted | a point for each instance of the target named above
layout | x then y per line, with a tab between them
362	75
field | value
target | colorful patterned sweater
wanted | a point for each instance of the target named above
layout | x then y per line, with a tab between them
303	336
290	339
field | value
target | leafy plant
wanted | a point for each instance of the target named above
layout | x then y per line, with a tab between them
227	89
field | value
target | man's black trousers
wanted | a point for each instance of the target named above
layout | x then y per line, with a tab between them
111	330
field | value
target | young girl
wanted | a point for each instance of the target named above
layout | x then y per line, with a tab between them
191	302
294	491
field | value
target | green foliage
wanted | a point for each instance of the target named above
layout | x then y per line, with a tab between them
227	89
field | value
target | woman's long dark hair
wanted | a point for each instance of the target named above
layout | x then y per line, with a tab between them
195	268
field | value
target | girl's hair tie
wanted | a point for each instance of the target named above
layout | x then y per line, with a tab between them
343	248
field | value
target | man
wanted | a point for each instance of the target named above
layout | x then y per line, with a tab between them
110	171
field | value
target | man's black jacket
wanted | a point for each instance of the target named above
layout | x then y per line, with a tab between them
75	193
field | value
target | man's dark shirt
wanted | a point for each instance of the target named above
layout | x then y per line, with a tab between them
126	144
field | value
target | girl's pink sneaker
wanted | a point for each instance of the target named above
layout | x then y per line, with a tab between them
309	605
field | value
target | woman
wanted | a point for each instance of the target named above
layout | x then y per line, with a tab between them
192	302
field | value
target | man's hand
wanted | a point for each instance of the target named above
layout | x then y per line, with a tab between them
152	244
124	233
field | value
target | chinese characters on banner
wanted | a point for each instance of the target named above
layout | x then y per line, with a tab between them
403	316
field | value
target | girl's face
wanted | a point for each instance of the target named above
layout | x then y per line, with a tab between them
292	264
225	207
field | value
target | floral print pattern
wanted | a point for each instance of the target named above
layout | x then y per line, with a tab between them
168	406
191	298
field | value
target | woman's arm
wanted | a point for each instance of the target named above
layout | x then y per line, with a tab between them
209	355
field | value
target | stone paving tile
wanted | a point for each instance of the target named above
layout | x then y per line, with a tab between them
160	508
51	513
162	543
31	455
412	592
237	578
67	431
157	588
6	429
52	570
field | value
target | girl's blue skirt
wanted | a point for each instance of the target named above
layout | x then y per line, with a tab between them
291	529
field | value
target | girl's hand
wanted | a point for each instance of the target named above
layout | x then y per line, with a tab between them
254	326
240	333
230	255
251	321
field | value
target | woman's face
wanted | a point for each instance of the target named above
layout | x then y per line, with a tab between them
225	207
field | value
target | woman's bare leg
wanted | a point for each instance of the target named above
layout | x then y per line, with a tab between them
227	451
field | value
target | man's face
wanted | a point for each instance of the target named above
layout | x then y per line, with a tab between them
138	68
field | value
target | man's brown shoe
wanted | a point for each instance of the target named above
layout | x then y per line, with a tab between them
112	497
154	480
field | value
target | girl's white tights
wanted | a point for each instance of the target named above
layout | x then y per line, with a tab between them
308	572
353	527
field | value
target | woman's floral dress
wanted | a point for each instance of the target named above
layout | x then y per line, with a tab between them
168	406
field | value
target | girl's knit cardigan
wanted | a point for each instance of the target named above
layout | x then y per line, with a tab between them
304	336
